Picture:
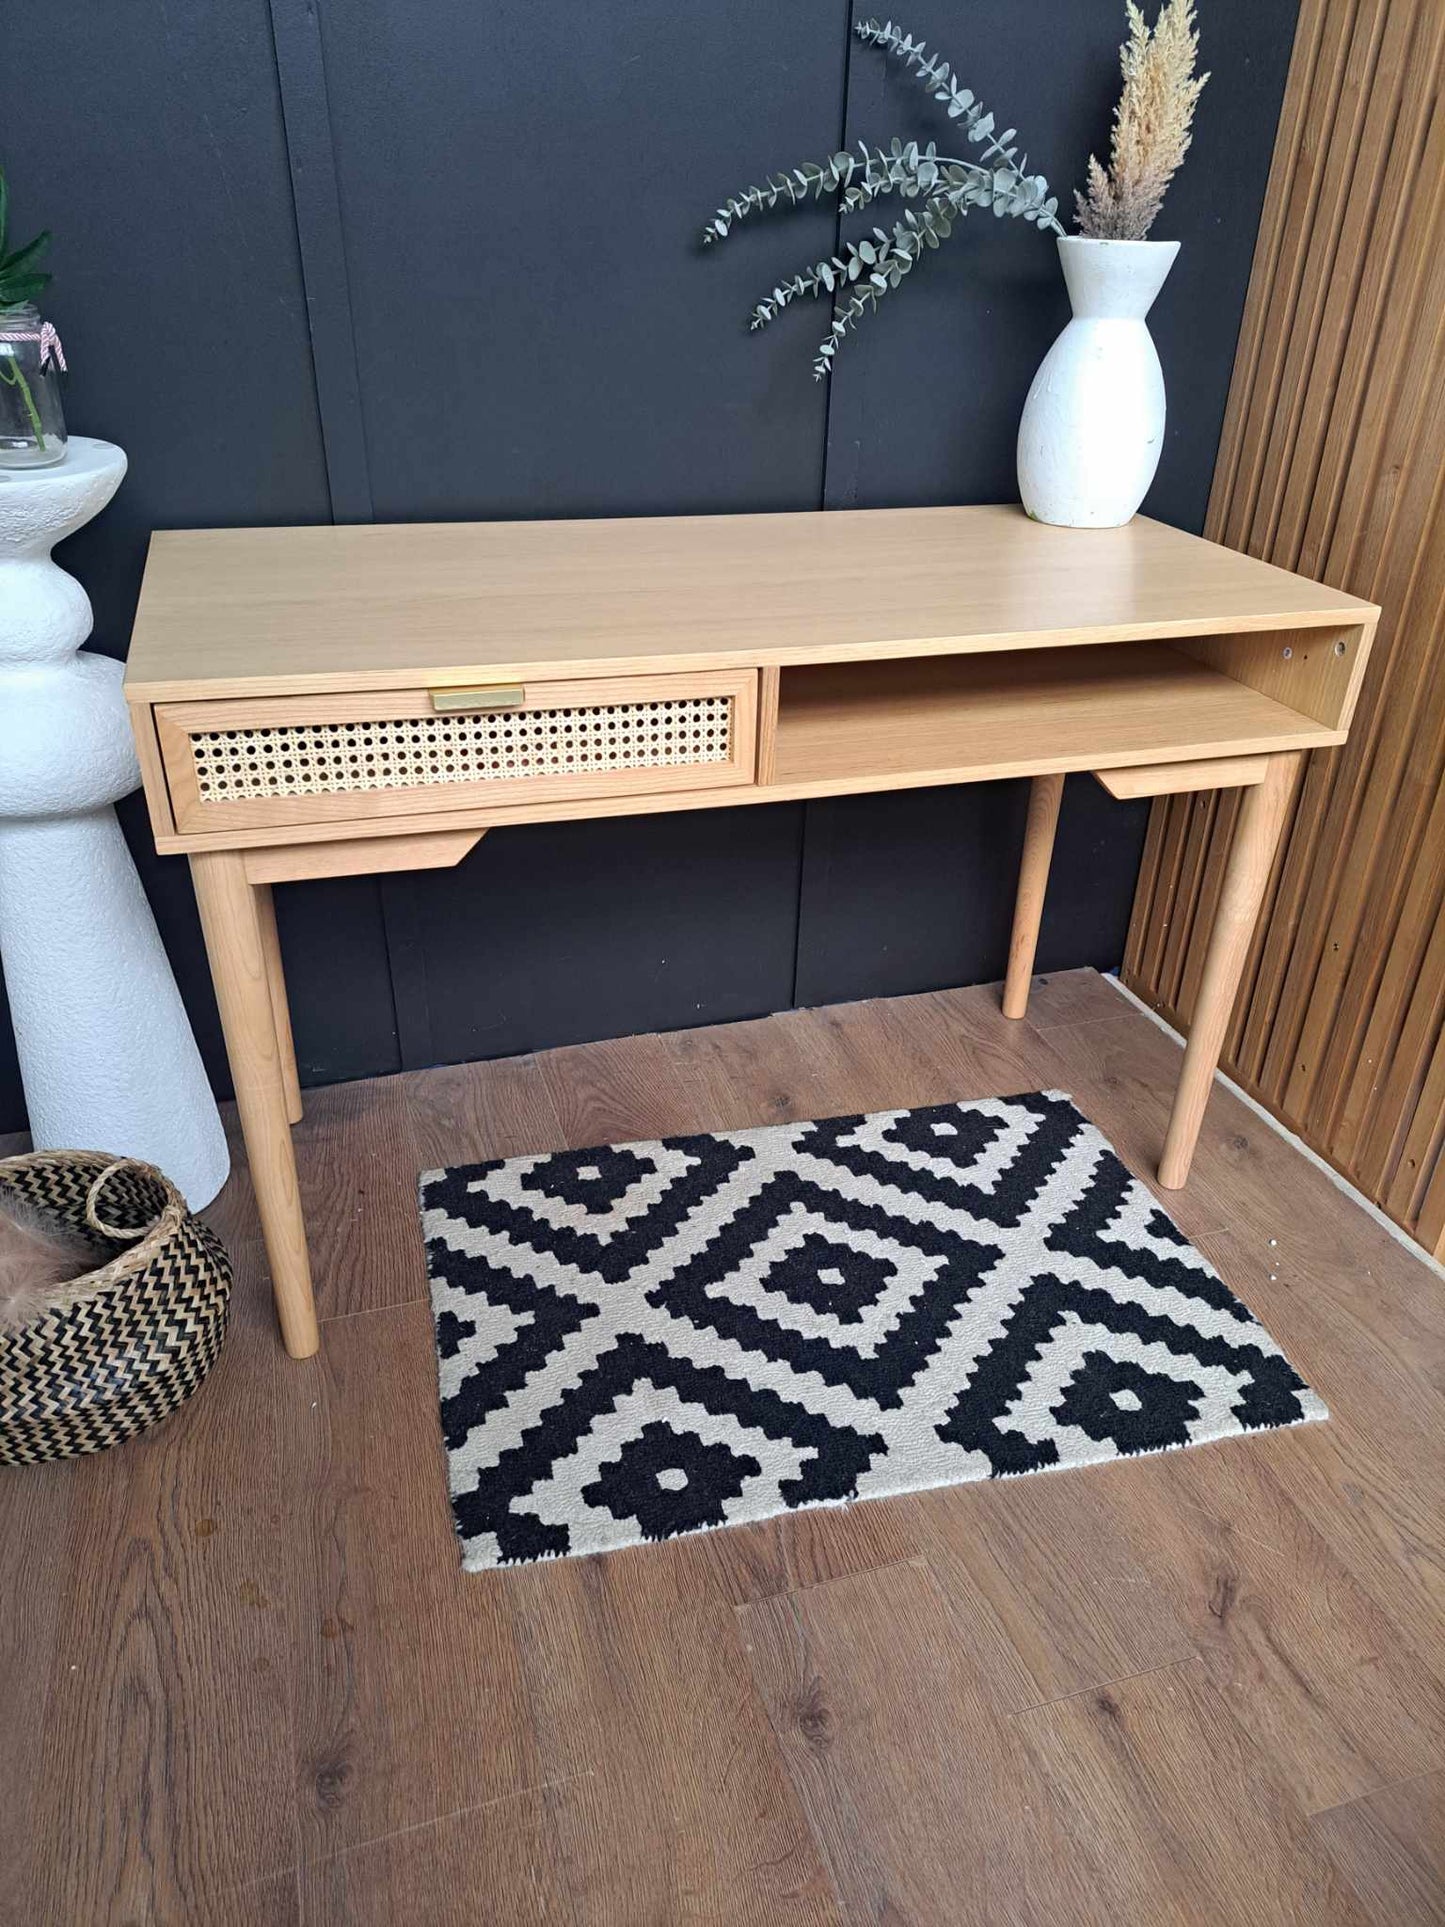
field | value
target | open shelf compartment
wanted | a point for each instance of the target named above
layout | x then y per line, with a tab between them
946	719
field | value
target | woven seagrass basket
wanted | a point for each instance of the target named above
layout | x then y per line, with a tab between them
127	1342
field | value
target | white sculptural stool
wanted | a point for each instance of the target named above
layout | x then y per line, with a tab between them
106	1051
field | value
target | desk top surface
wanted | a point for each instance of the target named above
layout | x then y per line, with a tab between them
227	612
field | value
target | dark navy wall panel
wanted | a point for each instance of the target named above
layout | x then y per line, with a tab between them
522	189
559	933
148	137
913	889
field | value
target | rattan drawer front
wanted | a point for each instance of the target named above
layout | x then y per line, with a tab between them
310	759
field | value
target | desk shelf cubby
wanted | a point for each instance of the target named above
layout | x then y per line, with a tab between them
956	719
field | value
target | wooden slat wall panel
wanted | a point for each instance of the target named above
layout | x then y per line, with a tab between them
1332	461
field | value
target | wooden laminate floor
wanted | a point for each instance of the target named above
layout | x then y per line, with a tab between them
245	1680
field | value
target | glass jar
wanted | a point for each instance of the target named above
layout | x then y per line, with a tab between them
32	422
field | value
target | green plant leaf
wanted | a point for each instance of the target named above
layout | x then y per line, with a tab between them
29	252
15	289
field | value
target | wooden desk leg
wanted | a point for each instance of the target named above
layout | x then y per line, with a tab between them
1262	812
234	923
280	1007
1043	819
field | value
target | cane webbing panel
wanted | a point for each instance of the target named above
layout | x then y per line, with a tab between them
419	752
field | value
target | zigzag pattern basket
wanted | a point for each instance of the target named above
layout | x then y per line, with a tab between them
129	1341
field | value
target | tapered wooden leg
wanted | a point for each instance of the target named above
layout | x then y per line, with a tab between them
1262	812
1043	820
234	924
280	1007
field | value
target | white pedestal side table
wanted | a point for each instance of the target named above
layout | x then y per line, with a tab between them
106	1051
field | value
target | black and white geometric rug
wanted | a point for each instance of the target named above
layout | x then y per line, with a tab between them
648	1339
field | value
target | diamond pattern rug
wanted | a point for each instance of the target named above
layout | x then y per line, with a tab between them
647	1339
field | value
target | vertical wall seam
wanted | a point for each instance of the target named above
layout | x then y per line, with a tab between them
842	142
316	196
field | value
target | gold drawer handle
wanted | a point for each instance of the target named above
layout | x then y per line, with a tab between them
446	702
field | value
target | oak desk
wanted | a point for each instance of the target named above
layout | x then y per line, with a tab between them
334	701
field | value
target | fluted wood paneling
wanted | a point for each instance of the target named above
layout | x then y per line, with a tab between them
1331	462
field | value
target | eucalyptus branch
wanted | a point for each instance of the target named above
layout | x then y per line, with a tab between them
946	185
868	261
962	105
912	171
904	167
864	272
815	178
895	259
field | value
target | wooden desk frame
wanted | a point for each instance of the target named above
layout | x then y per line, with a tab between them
1203	670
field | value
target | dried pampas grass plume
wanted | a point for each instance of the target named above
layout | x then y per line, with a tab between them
1151	126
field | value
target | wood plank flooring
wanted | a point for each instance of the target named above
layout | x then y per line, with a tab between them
244	1682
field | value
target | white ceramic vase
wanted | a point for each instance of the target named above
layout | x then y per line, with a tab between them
1093	425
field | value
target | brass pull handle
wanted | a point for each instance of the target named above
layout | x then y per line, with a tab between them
446	702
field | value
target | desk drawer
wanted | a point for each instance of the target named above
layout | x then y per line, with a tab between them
311	759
